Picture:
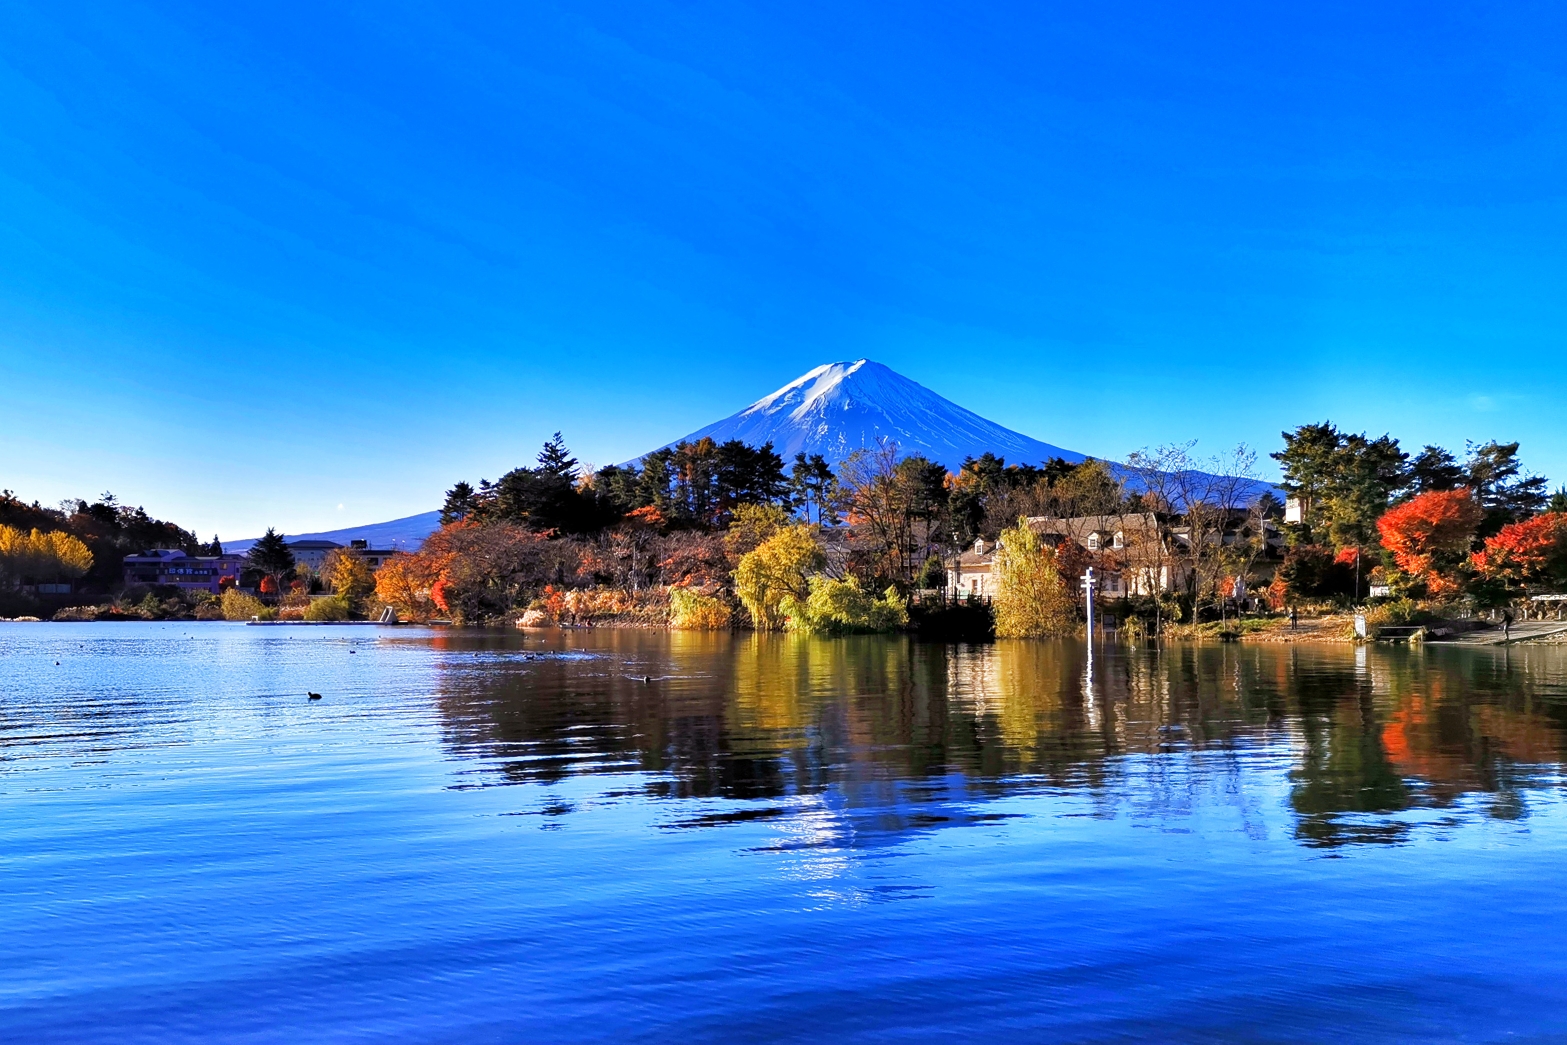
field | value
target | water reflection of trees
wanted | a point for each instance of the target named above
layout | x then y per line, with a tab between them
886	731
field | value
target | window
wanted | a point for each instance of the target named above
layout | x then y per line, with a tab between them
1093	542
1119	540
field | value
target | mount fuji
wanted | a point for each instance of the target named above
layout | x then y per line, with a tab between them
834	410
839	408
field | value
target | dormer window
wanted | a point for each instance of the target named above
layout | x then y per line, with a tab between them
1093	542
979	546
1119	541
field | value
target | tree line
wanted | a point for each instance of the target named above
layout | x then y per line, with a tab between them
1426	524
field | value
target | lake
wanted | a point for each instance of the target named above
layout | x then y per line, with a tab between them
639	836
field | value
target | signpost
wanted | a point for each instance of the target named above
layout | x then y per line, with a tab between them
1089	583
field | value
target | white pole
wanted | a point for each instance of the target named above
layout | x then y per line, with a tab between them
1088	596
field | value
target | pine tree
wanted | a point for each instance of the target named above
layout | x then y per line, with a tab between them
1434	470
1506	494
461	503
1343	481
555	461
215	548
270	556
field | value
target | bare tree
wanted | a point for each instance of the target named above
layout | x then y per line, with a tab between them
1205	500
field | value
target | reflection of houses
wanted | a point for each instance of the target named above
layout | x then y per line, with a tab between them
174	567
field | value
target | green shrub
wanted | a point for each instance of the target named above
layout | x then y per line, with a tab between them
329	607
837	607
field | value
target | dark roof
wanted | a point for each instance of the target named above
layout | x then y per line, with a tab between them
1079	527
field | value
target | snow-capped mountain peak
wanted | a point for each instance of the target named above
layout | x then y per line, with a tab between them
838	408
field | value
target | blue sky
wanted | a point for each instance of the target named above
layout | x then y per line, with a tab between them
284	265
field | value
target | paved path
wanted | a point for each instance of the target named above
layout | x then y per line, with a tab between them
1523	631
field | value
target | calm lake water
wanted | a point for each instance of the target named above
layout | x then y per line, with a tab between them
772	839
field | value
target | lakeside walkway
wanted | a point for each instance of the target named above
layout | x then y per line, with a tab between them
1522	631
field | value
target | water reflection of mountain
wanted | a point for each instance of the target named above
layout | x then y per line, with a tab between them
885	736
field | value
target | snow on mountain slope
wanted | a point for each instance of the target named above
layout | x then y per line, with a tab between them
839	408
834	410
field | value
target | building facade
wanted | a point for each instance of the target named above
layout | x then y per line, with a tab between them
314	553
193	572
1136	553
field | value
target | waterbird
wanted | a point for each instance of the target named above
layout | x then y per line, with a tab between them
313	696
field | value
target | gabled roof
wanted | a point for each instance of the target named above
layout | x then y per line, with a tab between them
1079	527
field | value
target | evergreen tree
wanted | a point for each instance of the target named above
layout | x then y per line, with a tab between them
1434	470
215	548
546	497
815	489
618	489
461	503
1505	493
556	462
270	556
1343	481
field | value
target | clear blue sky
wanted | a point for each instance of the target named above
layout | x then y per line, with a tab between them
305	265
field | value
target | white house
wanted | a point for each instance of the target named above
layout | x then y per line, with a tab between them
1130	552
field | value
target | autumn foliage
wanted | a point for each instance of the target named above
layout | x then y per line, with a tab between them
1524	553
39	556
1430	536
1032	598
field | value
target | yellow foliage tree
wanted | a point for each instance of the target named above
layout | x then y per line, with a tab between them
239	606
752	524
329	607
1031	599
837	607
777	569
348	574
693	611
44	557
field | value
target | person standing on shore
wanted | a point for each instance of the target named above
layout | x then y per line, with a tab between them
1507	624
1293	618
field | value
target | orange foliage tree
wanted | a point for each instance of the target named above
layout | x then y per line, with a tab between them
1523	554
1430	535
473	572
406	582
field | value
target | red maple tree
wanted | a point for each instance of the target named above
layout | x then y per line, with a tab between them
1430	535
1528	552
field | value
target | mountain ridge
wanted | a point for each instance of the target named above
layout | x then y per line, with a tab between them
838	408
833	409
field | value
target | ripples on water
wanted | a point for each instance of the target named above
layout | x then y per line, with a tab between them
492	837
